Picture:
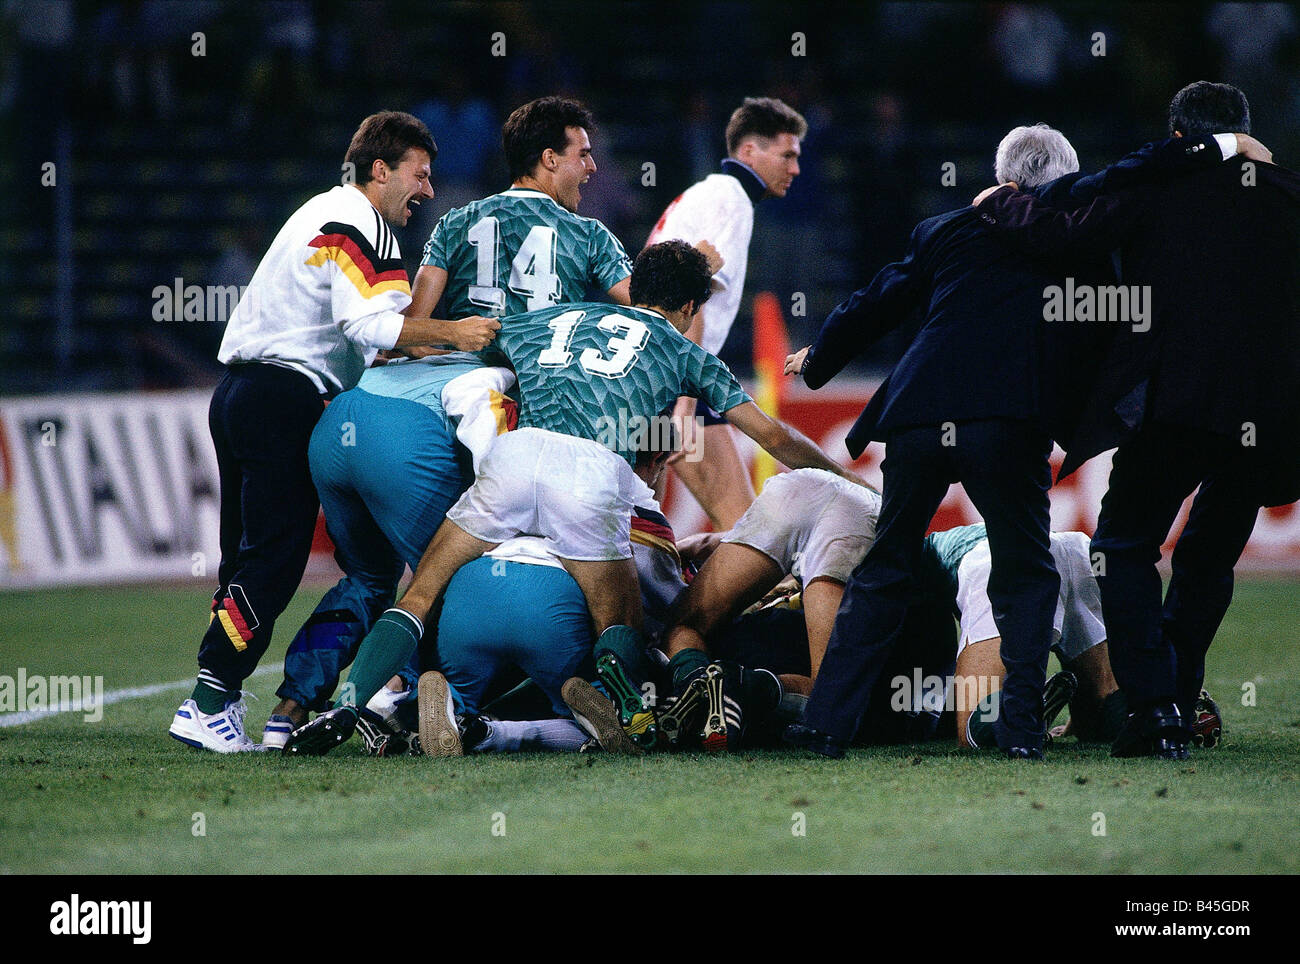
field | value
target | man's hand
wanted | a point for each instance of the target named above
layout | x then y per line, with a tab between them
474	333
712	255
698	547
794	363
989	190
1250	148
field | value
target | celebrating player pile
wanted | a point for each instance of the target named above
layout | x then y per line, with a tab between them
550	606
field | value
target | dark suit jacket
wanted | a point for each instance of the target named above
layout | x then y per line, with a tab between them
1222	261
981	352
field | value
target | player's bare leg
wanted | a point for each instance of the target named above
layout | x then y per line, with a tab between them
1092	666
612	589
735	577
450	548
978	674
718	478
613	593
821	604
793	683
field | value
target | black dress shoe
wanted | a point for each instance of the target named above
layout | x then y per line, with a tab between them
1024	753
806	738
1156	732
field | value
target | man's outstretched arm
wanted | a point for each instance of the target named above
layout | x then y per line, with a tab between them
1030	225
787	445
1165	159
866	316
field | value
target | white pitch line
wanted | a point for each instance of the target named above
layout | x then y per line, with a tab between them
111	697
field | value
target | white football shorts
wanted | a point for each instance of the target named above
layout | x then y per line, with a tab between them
1077	625
574	493
810	523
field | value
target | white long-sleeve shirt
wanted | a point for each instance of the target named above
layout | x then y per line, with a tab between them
327	295
716	210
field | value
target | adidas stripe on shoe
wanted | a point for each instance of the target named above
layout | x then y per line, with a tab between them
219	732
724	718
276	732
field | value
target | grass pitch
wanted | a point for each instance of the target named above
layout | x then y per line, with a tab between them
120	796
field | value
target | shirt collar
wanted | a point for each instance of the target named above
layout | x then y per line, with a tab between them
754	185
650	311
513	191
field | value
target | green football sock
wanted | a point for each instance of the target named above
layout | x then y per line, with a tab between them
209	698
383	652
685	665
629	646
979	728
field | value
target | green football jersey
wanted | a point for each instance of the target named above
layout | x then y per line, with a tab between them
603	372
941	558
519	251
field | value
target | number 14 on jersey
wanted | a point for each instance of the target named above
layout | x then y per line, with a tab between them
532	269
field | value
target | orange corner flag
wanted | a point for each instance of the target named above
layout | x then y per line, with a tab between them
771	346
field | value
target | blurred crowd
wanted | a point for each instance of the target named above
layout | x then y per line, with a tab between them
193	127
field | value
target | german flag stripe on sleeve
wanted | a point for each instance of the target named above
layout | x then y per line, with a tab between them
345	245
232	621
655	523
652	529
505	410
655	542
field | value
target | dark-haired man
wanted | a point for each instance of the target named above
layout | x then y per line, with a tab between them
762	160
594	382
526	248
1203	393
326	297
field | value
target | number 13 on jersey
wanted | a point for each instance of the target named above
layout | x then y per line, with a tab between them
629	338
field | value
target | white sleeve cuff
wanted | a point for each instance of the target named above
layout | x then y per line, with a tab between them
467	400
1227	144
380	330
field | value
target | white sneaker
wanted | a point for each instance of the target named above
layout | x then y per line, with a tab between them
439	734
385	702
220	732
276	732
